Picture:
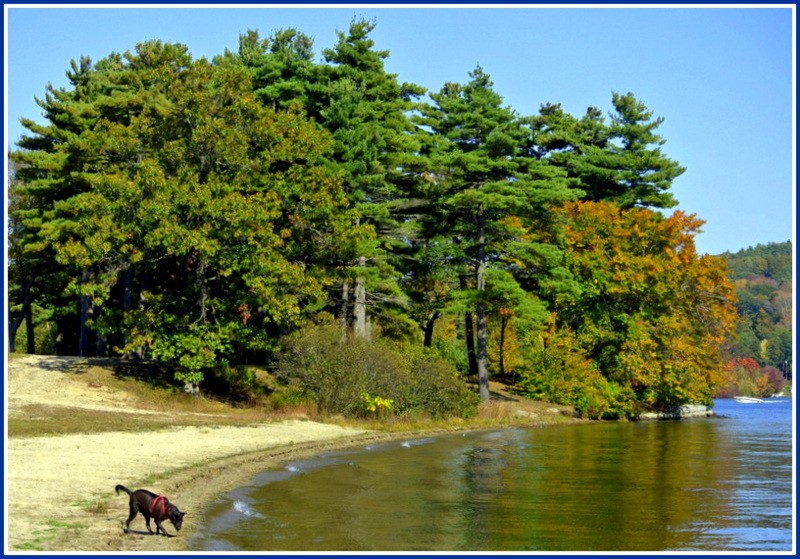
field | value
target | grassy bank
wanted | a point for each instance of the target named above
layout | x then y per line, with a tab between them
152	404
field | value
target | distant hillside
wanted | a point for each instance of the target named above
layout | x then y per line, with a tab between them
762	276
773	260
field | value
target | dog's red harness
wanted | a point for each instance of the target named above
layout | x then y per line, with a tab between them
154	506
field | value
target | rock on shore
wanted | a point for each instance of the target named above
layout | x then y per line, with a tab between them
682	412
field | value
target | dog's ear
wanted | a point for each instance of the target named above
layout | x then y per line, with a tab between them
183	514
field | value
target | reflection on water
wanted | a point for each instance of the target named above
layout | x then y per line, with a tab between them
707	484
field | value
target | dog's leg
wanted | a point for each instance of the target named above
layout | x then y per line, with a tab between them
147	521
160	527
131	515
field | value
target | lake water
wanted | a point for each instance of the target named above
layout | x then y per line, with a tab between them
721	484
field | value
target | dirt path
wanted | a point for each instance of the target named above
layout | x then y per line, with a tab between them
59	490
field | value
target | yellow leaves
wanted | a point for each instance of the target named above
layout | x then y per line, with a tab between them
512	222
375	404
763	350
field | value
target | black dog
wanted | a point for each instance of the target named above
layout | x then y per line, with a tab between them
152	506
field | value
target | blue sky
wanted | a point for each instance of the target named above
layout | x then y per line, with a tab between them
721	77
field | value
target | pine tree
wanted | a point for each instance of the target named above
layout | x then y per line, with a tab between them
282	67
56	167
621	161
366	109
485	179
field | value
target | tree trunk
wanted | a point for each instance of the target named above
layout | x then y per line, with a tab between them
343	317
101	342
26	315
67	334
469	335
31	335
12	335
202	281
360	305
12	342
483	327
360	309
482	353
503	324
192	388
87	309
429	325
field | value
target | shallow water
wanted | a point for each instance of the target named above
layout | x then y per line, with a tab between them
721	483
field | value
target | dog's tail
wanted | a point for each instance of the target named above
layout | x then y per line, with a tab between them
125	489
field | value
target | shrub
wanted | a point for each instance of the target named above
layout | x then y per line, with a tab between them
453	352
238	384
562	374
292	398
335	373
436	387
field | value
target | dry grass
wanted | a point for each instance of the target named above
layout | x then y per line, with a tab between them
152	401
497	410
501	412
162	404
41	420
150	388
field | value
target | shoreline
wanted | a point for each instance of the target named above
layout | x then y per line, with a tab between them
60	496
59	490
233	471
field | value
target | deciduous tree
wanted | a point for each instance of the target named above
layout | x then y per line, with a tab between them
652	314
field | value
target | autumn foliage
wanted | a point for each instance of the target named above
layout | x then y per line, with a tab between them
743	376
651	315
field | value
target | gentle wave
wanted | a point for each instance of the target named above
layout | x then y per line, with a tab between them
244	508
416	442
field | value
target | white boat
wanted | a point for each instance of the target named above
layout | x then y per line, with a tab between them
748	400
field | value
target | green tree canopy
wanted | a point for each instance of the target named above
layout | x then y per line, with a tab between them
221	209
